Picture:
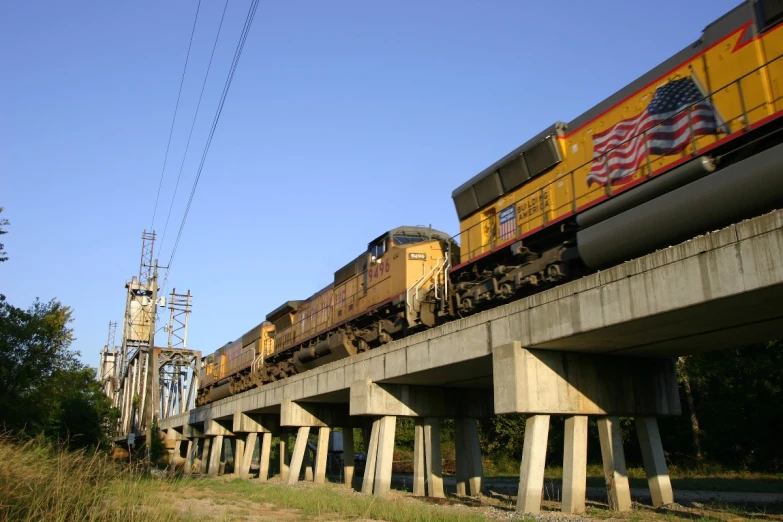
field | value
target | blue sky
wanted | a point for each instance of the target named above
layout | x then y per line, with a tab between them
344	119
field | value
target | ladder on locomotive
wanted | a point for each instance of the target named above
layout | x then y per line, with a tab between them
437	277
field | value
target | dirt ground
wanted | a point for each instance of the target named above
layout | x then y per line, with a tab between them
206	504
209	505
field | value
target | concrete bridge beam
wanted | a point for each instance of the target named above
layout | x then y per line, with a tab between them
314	415
565	383
214	427
254	422
402	400
192	431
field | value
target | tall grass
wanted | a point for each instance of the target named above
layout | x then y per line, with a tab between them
39	481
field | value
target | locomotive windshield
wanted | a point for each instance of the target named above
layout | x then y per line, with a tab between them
403	239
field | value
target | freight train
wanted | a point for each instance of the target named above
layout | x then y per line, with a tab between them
692	145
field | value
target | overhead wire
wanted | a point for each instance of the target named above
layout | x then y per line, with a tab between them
174	119
229	79
193	125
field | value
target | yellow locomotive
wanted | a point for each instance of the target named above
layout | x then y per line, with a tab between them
690	146
397	286
694	144
229	369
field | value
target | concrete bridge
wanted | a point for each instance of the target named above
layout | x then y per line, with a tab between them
603	346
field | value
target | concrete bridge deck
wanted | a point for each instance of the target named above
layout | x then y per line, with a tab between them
601	345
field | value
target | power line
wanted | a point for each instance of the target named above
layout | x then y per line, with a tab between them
174	119
193	125
237	54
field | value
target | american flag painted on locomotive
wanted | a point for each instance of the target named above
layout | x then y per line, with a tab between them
508	223
619	151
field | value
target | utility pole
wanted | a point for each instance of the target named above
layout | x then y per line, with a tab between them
152	402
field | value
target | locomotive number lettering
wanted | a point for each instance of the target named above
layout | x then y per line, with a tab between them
378	270
417	255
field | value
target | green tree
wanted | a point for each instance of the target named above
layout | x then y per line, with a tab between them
739	396
43	386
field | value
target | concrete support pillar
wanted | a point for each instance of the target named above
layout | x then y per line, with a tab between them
432	457
174	456
191	455
247	457
284	467
575	464
531	470
322	453
348	461
617	489
475	465
239	455
461	456
203	464
378	469
654	461
470	470
383	466
299	453
264	454
368	482
214	456
308	464
418	458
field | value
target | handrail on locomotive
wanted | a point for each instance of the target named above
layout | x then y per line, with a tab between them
742	117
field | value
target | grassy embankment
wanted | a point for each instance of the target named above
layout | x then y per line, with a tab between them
39	482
